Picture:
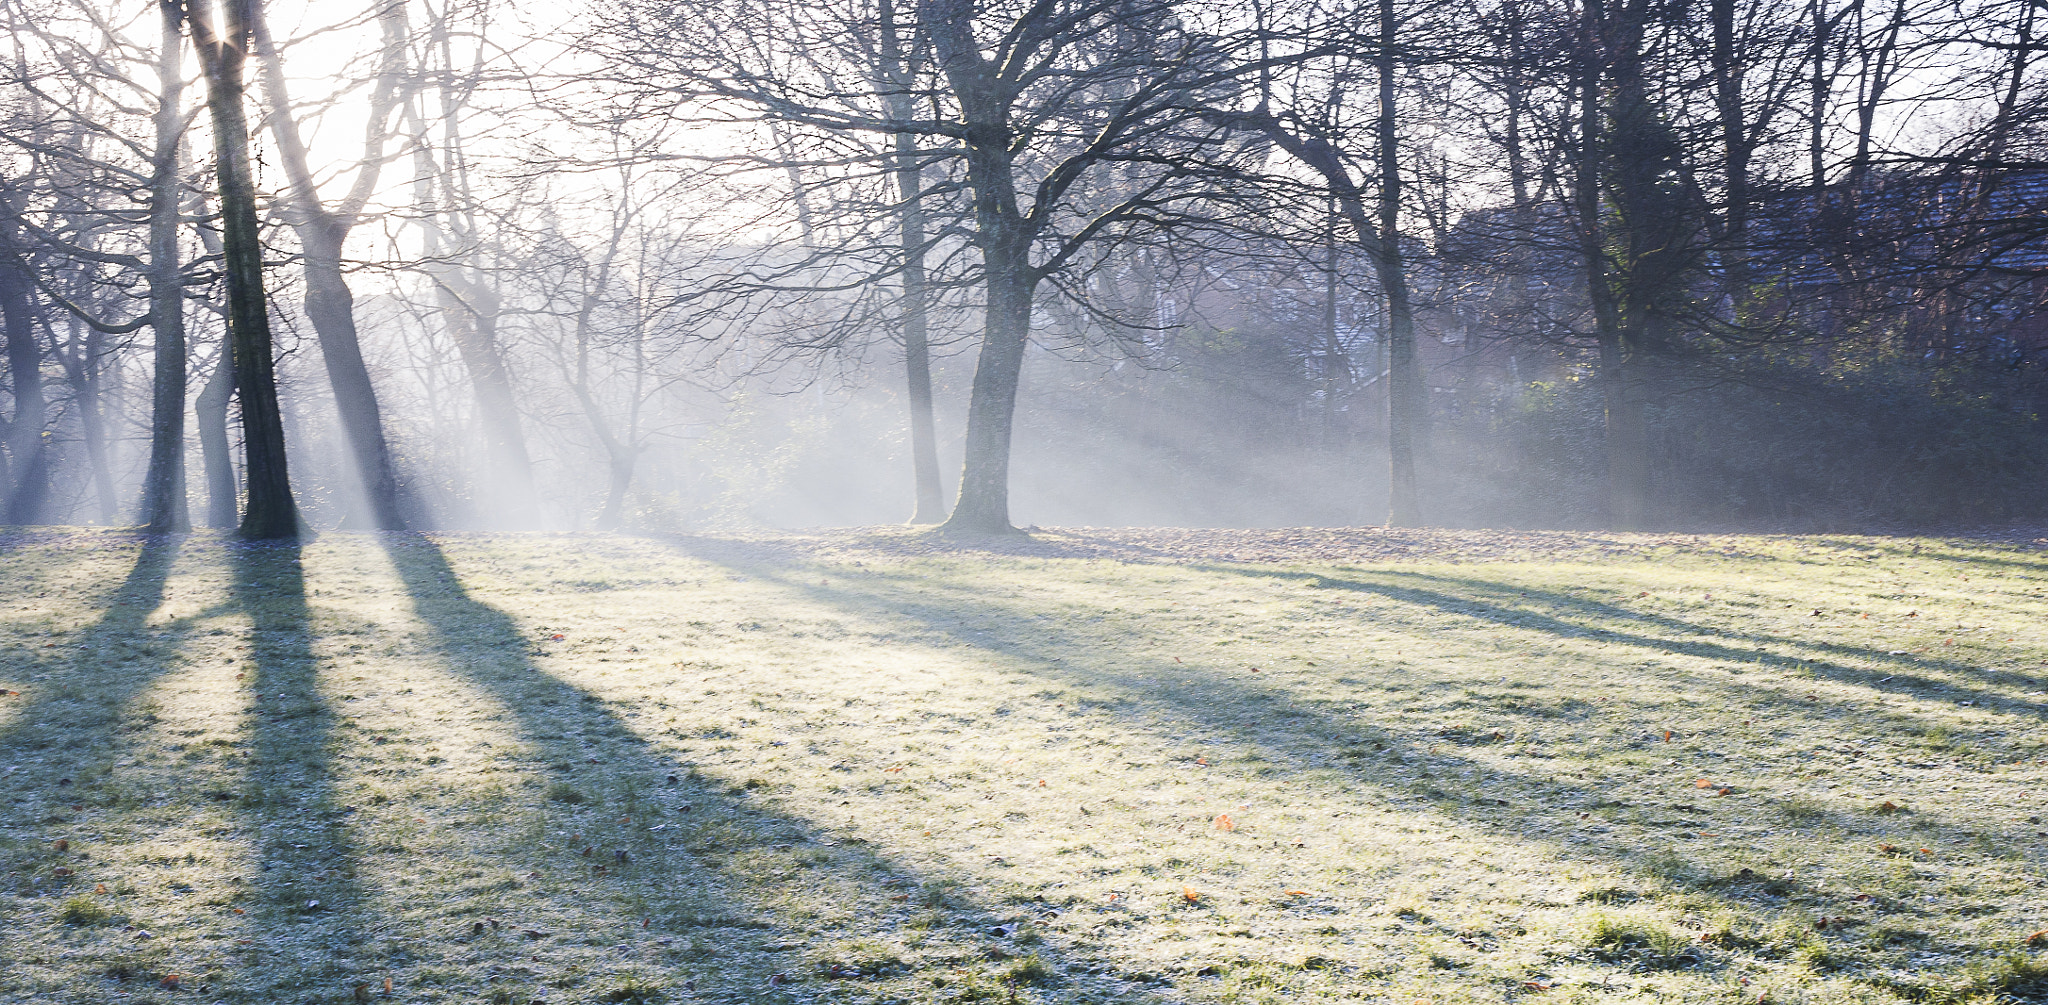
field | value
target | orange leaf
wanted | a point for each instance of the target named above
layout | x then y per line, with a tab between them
1224	823
1701	783
1190	894
2039	938
1667	736
1203	761
1041	783
1297	893
99	888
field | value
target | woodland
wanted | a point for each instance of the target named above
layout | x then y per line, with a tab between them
1734	264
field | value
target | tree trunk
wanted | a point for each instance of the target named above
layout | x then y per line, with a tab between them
270	512
81	357
614	512
329	304
984	504
469	309
1736	149
1008	276
28	495
1628	461
214	452
1407	389
917	364
164	508
331	308
1624	145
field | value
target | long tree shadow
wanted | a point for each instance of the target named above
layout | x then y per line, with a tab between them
1301	737
1899	676
84	687
700	882
306	876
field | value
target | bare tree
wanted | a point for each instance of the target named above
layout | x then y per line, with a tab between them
322	232
270	511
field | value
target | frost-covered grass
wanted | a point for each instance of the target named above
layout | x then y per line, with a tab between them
858	767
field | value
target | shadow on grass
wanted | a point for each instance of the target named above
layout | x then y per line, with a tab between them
1541	809
711	885
79	703
306	873
78	670
1485	600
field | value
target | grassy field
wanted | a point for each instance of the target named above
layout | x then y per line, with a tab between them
1102	767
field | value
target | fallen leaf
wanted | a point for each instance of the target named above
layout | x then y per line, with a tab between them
1224	823
60	845
1701	783
1190	894
99	888
1298	893
1667	736
2039	938
1888	807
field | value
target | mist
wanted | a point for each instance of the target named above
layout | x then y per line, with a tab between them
686	267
